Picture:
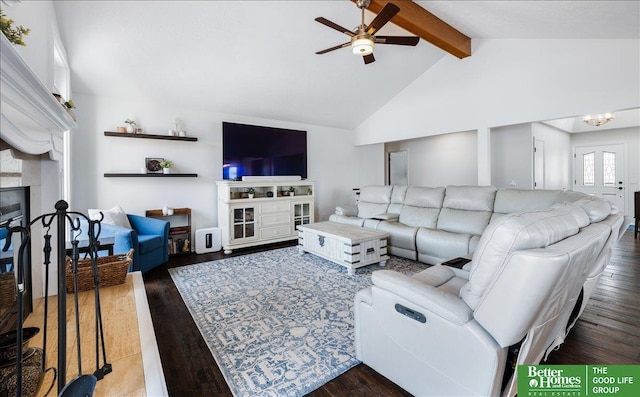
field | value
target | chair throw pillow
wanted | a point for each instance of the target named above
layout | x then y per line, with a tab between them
114	216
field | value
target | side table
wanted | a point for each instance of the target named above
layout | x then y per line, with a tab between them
105	244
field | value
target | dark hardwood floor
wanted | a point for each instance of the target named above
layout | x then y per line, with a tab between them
608	332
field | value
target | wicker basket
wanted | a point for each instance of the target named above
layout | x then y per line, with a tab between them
112	270
7	289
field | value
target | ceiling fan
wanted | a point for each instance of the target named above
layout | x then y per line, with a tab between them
363	37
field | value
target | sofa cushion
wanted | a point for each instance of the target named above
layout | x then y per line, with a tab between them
471	198
518	200
518	231
536	289
115	216
400	236
422	206
374	200
441	245
148	243
463	221
466	209
596	209
397	199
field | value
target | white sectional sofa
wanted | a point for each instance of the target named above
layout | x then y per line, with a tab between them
433	224
536	257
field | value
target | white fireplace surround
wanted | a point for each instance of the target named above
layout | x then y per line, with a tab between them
32	120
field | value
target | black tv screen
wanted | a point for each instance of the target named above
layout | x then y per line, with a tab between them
249	150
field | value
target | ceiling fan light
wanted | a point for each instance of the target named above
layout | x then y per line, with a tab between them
362	46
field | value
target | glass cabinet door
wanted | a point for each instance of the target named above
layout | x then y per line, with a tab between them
302	214
243	222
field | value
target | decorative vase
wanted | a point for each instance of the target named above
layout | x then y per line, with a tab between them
165	210
130	128
166	170
250	195
292	193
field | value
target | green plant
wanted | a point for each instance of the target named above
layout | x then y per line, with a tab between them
166	163
292	189
251	190
13	33
69	104
131	122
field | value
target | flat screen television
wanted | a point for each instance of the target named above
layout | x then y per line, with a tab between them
250	150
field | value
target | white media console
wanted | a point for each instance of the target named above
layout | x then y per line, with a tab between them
277	207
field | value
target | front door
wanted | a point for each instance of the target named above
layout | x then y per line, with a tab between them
599	171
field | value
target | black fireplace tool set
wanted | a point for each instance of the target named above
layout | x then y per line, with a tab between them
26	381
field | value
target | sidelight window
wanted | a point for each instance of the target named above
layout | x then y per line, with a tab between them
608	168
588	167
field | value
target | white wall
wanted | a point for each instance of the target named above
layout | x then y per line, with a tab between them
332	157
442	160
40	17
557	156
512	157
630	138
508	82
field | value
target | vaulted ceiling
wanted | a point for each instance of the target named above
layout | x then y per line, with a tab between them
257	58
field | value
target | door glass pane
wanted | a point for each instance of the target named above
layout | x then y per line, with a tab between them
237	215
608	169
248	230
297	210
248	214
588	166
305	209
237	231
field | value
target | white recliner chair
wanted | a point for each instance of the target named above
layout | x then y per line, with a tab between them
447	331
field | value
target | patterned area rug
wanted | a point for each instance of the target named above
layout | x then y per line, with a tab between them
278	323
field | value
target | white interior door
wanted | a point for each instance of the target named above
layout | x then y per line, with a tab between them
538	164
398	168
599	171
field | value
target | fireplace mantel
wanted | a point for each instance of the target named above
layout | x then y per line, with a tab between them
32	120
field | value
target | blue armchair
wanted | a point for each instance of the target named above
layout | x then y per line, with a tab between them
148	238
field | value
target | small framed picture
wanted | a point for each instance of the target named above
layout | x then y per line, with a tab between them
152	165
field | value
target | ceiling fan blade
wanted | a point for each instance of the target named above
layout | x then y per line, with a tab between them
335	26
388	12
399	40
368	59
334	48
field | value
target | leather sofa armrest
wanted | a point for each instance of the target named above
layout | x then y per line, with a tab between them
387	217
346	211
449	307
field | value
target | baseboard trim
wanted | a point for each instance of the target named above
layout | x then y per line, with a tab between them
154	381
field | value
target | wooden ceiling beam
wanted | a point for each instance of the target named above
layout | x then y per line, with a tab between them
427	26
